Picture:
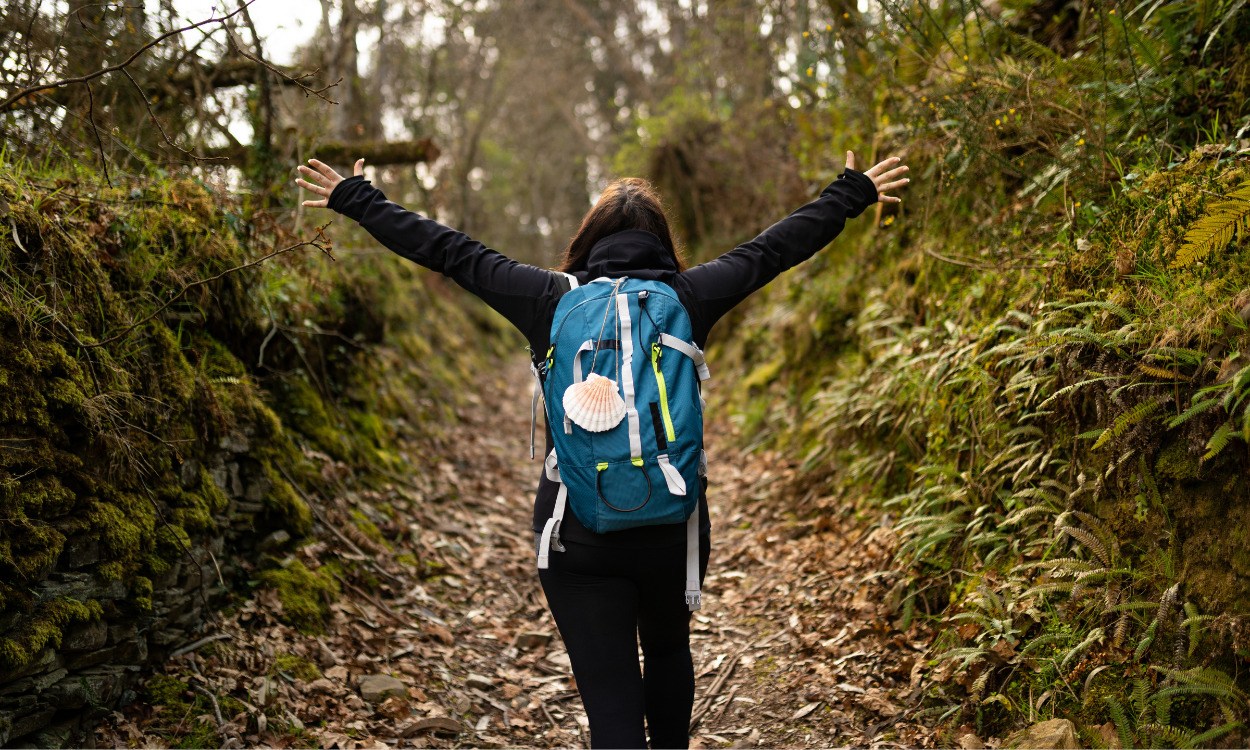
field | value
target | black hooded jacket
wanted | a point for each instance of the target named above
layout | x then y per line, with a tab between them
527	295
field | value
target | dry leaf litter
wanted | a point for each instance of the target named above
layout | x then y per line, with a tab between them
441	636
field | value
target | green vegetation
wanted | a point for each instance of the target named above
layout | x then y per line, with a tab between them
1035	370
303	594
124	375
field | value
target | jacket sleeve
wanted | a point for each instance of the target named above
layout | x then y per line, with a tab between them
519	292
720	284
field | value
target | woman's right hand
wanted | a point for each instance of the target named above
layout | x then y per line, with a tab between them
326	180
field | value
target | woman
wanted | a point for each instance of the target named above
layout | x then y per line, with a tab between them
607	592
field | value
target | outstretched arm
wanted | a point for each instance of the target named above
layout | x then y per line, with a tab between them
720	284
518	291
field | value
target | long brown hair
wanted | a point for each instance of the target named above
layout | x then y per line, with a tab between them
629	203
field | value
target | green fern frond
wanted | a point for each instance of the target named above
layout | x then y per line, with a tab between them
1040	641
1208	738
1043	588
226	380
1141	696
1069	388
1130	606
1110	307
1163	709
1144	645
1223	435
1170	735
1130	418
1208	677
1193	411
1095	636
1120	719
1215	230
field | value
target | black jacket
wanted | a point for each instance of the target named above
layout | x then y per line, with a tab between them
527	295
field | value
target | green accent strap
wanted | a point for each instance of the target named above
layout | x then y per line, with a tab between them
602	465
636	462
659	379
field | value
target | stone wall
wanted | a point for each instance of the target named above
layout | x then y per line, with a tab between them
56	699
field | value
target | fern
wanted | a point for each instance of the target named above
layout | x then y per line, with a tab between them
1144	645
1130	418
1167	601
1223	435
1095	636
1159	372
1193	411
1090	541
1214	231
1120	719
1207	738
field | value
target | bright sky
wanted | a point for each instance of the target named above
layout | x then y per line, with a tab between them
283	24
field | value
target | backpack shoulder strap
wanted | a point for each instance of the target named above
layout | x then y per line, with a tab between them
565	281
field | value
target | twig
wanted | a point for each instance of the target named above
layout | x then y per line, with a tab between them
547	713
371	598
216	706
23	93
201	642
977	266
297	80
200	282
706	704
161	127
725	706
316	509
104	162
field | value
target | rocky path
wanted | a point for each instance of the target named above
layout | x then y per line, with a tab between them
441	637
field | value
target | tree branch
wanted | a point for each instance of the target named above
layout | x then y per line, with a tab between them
377	153
29	90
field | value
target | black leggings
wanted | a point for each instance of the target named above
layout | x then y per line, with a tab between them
604	600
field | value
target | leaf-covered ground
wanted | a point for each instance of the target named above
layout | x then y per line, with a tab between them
442	624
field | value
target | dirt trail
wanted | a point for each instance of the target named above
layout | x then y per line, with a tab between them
443	607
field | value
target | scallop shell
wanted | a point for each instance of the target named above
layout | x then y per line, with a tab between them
593	404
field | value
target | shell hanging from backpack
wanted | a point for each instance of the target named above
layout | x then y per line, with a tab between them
594	404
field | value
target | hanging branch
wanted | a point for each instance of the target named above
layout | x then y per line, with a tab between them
147	103
29	90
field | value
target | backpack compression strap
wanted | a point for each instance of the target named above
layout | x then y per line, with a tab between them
565	282
550	539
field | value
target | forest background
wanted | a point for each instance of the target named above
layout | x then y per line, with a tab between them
1033	371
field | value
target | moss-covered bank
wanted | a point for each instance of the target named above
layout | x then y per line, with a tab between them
141	442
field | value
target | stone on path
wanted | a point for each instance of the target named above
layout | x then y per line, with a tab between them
1056	734
479	681
375	687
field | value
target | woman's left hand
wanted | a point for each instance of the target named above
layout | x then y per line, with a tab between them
326	180
883	176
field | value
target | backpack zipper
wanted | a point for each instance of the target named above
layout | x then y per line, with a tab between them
659	379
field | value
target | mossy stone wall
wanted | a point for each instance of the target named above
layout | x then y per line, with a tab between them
147	452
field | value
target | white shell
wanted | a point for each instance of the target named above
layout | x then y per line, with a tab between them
593	404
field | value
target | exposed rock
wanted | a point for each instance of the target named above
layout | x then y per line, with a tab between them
86	637
479	681
325	657
1056	734
189	474
274	542
375	687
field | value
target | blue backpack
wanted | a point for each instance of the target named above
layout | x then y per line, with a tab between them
621	383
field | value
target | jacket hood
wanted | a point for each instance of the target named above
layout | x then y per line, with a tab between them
635	252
